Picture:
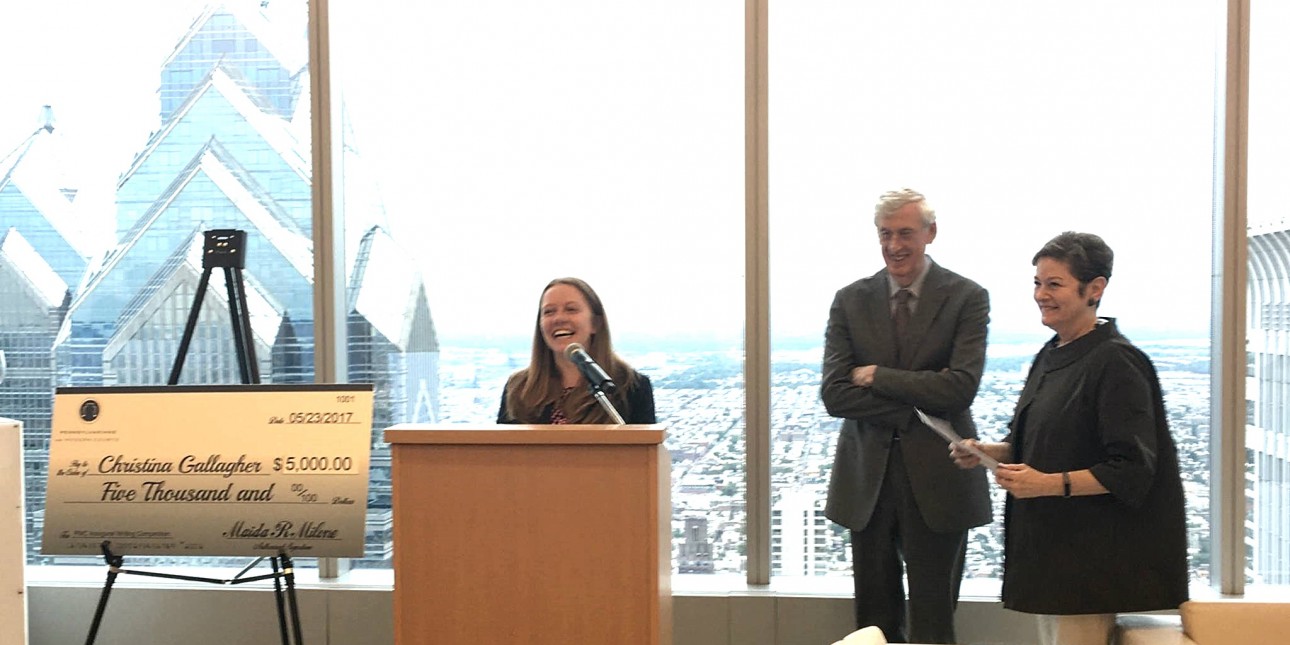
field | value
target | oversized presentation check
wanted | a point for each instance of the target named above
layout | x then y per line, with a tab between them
209	470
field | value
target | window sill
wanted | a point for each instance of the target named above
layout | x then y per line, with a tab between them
974	590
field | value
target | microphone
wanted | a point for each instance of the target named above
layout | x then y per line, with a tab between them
590	369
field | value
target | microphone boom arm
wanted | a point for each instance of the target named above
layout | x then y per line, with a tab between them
608	407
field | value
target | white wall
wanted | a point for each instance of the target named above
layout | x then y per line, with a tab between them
337	615
13	598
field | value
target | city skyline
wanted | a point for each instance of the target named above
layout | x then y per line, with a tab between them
700	400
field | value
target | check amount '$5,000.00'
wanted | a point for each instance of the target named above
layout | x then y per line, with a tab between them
313	464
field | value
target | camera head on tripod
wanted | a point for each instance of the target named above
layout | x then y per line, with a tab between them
224	247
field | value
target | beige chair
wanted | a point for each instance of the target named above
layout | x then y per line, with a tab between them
1210	622
867	636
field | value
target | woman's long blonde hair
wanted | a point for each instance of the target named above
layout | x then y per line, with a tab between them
530	390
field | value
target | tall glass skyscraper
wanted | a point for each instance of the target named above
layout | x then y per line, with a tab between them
33	301
231	149
1267	437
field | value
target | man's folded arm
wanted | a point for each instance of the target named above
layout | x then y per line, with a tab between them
951	389
843	398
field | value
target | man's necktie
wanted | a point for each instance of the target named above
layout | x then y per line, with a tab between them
900	320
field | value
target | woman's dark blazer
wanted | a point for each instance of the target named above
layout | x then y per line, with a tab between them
639	399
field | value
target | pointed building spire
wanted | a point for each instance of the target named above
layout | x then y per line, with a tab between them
46	119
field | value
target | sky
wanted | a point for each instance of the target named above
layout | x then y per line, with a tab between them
566	143
515	142
98	67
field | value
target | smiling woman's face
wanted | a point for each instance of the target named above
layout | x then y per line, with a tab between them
1065	305
566	318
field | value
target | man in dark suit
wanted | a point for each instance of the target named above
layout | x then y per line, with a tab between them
911	335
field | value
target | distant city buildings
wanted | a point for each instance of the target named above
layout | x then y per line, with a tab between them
694	551
702	407
803	541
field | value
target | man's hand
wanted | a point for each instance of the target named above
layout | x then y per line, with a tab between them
962	457
863	376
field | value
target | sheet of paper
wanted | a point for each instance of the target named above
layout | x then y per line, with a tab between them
943	428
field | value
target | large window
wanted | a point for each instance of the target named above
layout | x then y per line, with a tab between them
494	146
1019	121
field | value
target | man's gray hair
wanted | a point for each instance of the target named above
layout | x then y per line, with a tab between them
893	200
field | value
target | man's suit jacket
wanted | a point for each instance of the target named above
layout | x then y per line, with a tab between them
946	350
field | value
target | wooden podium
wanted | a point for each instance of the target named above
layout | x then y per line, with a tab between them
531	534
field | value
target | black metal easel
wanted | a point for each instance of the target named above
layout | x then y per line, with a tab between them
223	248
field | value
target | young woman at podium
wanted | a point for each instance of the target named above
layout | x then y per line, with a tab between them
573	356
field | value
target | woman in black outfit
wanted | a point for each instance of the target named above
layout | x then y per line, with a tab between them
1094	520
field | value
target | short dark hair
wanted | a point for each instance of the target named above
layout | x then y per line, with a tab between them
1086	254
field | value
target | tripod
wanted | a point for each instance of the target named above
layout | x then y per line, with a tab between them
223	248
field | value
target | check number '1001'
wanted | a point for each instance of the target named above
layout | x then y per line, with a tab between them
312	464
